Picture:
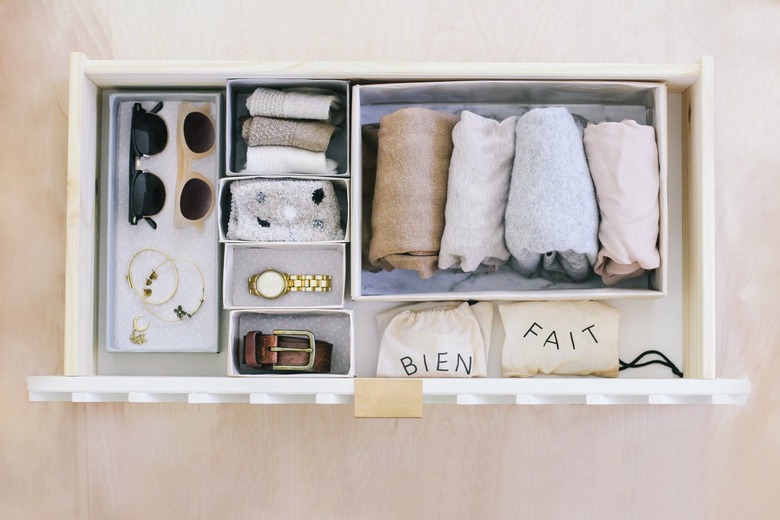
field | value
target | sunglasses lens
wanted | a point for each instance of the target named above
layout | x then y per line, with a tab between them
196	199
149	134
148	194
199	132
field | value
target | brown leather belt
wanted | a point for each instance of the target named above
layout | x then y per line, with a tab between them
287	351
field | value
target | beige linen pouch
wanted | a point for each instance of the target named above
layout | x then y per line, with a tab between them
563	338
435	339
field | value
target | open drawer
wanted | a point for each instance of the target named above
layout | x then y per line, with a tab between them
682	319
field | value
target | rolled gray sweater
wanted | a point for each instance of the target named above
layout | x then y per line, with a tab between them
552	217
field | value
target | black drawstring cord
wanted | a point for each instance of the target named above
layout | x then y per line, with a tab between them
665	362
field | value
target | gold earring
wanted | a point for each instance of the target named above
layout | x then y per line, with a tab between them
144	292
138	335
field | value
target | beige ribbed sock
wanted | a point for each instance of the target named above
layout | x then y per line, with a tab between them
270	131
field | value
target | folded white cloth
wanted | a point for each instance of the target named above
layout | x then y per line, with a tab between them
551	217
284	210
623	159
296	103
435	339
477	190
287	159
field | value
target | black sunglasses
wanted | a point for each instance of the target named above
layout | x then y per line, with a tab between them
148	136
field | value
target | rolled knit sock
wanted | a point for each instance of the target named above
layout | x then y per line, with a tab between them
477	191
270	131
296	104
623	160
286	159
284	210
415	145
551	217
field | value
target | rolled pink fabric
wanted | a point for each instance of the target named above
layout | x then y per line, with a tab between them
623	161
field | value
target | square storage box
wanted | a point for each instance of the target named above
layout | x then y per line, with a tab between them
340	187
332	326
595	101
238	90
243	261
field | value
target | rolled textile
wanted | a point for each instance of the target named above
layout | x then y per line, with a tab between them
551	217
477	190
296	103
623	160
413	159
287	159
270	131
284	210
369	146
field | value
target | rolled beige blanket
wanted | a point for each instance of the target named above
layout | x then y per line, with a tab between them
270	131
623	161
413	159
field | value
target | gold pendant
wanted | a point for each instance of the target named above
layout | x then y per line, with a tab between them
138	336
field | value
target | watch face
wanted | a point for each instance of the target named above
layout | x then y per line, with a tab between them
270	284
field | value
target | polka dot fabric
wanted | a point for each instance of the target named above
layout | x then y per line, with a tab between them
284	210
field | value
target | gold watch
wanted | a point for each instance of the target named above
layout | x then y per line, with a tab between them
271	284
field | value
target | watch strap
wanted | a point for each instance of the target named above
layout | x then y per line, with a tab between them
308	282
258	353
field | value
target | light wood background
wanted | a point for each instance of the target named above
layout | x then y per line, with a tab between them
62	460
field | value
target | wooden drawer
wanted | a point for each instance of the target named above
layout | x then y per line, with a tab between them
91	375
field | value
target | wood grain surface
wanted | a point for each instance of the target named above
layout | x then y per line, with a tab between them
62	460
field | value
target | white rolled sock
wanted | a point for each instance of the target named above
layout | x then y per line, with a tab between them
287	159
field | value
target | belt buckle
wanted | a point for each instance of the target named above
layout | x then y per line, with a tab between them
311	350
